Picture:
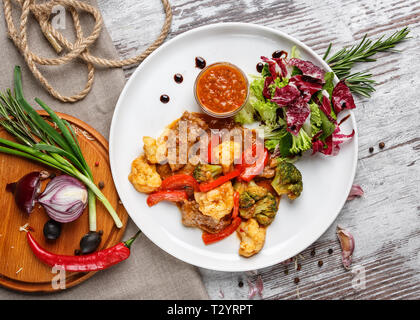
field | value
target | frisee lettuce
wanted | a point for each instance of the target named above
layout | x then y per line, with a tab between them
315	118
267	111
246	115
278	83
301	142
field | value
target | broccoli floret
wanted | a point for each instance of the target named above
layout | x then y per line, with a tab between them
288	180
301	142
247	213
252	194
245	200
256	192
266	209
205	172
257	202
240	186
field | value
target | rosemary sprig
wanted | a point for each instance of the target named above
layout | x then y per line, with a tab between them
343	61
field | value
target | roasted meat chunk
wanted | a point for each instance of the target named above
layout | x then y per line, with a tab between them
192	217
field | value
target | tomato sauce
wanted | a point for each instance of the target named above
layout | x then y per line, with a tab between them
222	88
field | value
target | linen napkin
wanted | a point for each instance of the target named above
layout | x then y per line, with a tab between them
149	273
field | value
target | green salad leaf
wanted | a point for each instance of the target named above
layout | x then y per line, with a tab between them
246	115
295	53
256	90
301	142
327	126
279	139
329	83
278	83
315	118
267	111
265	71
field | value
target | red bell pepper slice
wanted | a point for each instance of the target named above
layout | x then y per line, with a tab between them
251	171
209	238
173	196
179	181
250	152
235	205
207	186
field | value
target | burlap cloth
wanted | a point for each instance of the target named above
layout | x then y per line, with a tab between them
149	273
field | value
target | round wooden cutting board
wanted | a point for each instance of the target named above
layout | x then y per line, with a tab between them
19	268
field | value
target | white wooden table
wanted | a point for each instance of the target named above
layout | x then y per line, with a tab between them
385	222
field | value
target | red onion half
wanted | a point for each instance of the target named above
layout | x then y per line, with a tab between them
25	191
64	198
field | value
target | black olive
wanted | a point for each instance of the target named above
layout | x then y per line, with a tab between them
52	230
90	242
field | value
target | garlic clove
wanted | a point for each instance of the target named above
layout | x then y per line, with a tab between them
347	246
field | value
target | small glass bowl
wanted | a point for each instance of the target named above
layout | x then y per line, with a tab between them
224	114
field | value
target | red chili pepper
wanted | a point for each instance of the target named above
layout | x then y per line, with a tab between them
91	262
174	196
250	172
179	181
235	205
209	238
207	186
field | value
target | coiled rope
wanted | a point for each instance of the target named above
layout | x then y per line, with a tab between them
77	50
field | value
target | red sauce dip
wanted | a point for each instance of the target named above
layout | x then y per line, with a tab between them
221	89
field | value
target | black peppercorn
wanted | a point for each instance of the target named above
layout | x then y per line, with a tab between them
164	98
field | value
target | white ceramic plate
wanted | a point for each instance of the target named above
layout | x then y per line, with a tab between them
139	112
